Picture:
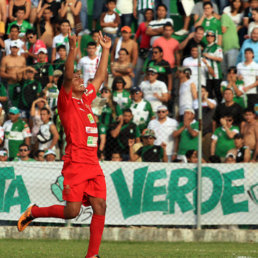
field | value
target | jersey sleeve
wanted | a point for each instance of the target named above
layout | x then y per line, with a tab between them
90	93
139	152
164	88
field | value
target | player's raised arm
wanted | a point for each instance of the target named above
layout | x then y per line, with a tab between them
99	77
69	64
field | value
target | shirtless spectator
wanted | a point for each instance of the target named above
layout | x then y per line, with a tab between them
229	107
35	44
249	130
122	67
12	68
155	28
46	28
126	42
14	35
15	5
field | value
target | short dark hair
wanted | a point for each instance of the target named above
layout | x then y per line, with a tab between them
14	26
20	8
127	110
37	153
108	1
46	109
64	21
61	47
249	109
228	89
232	68
168	24
30	31
238	136
91	43
214	159
24	145
199	28
189	153
116	80
249	50
93	32
161	5
159	48
124	49
207	3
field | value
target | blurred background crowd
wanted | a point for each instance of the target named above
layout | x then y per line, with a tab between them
147	107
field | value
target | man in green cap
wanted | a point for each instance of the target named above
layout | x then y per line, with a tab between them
16	132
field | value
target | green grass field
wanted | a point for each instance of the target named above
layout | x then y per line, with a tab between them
77	248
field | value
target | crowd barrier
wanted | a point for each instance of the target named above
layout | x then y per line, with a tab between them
140	193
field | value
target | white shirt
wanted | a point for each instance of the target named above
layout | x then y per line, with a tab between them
192	63
163	132
60	40
249	73
185	97
110	18
1	133
7	44
237	19
149	89
89	67
125	6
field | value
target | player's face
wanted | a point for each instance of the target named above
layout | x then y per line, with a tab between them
127	116
14	34
64	28
249	116
194	52
161	12
78	83
44	116
91	50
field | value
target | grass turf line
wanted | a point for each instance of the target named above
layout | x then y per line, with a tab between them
77	248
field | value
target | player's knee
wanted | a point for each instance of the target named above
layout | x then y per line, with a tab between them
100	207
72	213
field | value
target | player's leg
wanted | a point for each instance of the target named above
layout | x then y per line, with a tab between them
97	225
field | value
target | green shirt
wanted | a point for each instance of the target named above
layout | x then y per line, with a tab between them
230	38
123	99
212	24
106	117
3	93
224	143
187	142
22	27
52	95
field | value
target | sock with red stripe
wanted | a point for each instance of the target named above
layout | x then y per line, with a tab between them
55	211
96	230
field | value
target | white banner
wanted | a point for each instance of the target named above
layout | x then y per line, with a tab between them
140	193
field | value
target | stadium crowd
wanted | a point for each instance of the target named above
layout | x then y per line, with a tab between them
147	108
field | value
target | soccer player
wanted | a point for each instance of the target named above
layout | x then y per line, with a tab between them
84	181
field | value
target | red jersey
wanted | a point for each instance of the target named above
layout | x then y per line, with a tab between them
79	125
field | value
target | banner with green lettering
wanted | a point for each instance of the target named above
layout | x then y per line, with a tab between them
140	193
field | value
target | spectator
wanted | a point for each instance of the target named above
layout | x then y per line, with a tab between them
123	68
144	6
50	155
52	91
21	22
198	10
125	42
128	10
169	46
70	10
230	158
120	95
154	91
61	39
213	54
1	135
241	152
35	45
16	131
98	7
46	29
186	134
44	69
23	154
110	20
116	156
164	126
236	84
3	155
162	66
192	156
15	6
12	67
156	27
3	101
141	109
210	23
249	43
193	39
192	63
230	41
187	92
144	43
249	130
13	36
39	155
229	107
247	19
28	92
248	71
124	130
223	137
59	64
89	64
148	152
253	24
47	135
95	38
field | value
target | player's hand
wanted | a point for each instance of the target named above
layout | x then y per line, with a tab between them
72	40
105	41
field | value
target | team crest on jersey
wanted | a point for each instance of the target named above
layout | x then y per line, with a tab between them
91	119
91	129
92	141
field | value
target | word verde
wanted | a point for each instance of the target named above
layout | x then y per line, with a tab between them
144	191
16	193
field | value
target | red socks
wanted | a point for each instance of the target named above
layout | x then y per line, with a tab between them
96	230
55	211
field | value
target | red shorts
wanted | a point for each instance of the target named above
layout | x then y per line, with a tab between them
81	181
